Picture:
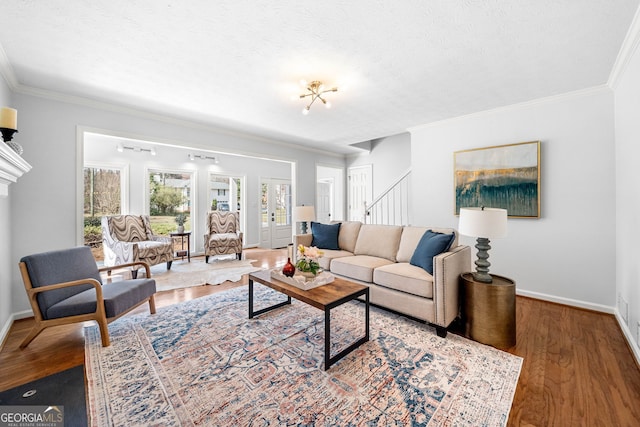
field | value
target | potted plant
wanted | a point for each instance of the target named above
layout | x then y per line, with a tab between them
307	263
181	218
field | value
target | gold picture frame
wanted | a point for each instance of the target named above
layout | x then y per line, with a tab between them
501	176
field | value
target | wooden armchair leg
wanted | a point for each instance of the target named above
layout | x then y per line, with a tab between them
104	332
35	331
152	304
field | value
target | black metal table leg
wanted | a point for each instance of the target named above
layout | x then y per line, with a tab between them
253	313
328	360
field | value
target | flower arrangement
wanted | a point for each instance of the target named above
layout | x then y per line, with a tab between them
308	259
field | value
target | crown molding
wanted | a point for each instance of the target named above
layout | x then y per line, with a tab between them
6	70
518	106
628	48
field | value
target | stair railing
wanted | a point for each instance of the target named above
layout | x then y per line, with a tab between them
392	207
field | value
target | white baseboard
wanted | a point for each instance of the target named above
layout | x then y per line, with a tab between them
567	301
7	326
635	350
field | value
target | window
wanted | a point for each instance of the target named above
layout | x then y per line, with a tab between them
224	193
169	195
102	196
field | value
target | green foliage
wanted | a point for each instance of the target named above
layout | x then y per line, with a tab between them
163	229
92	234
308	265
92	221
164	200
163	225
214	205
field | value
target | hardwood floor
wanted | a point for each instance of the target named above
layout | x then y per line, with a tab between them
577	369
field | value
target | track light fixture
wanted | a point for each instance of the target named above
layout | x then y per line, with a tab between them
121	149
315	90
193	157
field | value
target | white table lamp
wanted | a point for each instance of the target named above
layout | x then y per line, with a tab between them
304	214
483	223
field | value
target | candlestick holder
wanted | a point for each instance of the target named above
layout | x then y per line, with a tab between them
7	136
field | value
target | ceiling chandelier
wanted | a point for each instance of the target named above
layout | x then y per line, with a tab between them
315	90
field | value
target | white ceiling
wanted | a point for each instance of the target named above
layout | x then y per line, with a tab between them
237	63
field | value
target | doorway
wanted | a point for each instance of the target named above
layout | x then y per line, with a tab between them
330	198
360	191
275	213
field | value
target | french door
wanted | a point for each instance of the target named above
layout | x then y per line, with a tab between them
275	213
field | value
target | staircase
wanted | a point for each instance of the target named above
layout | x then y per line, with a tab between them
392	206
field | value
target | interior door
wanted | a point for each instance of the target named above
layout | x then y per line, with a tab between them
324	208
275	213
360	191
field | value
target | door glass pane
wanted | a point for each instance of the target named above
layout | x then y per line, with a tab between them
102	196
283	204
169	195
264	206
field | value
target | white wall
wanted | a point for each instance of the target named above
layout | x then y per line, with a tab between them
627	127
43	204
568	255
390	157
7	264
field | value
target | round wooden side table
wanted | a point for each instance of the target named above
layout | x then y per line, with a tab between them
489	310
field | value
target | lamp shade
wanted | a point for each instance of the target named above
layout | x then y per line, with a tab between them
304	213
483	222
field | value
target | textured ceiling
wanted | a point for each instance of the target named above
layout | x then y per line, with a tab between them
237	64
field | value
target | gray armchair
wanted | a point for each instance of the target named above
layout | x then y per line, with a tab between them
65	286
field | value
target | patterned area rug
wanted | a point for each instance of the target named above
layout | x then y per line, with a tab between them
184	274
203	362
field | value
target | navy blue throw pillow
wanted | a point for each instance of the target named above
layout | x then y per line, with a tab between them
430	245
325	236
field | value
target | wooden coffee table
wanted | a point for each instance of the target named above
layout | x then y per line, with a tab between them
323	297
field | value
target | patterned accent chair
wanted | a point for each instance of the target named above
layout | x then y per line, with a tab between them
65	286
128	238
223	234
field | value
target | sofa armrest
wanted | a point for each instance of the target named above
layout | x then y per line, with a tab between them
119	252
447	268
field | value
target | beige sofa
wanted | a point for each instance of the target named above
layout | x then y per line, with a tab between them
379	256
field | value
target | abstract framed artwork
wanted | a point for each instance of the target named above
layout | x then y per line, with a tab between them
503	176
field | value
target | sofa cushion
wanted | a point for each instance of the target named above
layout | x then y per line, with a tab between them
411	237
358	267
430	245
405	277
118	298
150	249
325	259
348	235
325	236
379	241
408	242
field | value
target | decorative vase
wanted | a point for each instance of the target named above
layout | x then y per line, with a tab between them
308	275
181	229
289	269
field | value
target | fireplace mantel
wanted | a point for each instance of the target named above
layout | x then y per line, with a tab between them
12	167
